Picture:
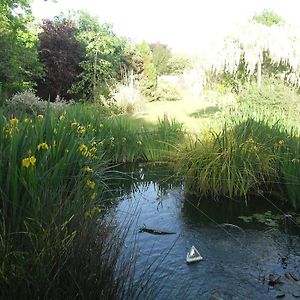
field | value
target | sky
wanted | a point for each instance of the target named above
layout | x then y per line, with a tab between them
185	25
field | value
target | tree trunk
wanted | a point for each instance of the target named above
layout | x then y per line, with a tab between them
259	63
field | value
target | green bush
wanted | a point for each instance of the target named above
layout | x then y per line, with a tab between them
272	95
28	102
166	92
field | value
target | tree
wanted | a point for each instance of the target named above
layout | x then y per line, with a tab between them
257	46
19	65
102	63
61	54
161	55
177	64
149	67
268	18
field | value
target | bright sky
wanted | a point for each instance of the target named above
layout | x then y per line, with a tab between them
185	25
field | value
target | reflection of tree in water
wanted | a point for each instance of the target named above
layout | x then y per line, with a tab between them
136	178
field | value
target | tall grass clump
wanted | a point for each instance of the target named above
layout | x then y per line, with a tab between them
230	163
249	157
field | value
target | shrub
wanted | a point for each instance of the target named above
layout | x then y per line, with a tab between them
273	94
166	92
28	102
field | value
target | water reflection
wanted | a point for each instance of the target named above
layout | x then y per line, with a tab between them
237	263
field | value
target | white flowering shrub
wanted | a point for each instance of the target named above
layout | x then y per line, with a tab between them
28	102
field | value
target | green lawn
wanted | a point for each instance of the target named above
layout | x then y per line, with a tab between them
195	114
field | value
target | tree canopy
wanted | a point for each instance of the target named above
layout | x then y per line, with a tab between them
17	40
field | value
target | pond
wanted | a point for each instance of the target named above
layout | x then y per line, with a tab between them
240	262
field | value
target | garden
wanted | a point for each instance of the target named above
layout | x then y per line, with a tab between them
91	125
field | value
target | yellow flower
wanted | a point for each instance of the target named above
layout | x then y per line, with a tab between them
40	117
83	148
26	162
139	142
93	196
75	125
281	142
93	149
101	125
26	120
94	143
32	160
92	211
87	169
62	117
81	130
42	146
91	184
14	121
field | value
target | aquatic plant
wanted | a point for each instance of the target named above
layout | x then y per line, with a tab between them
248	157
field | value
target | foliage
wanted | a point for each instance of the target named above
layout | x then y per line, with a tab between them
149	73
128	98
261	49
60	54
166	92
131	60
17	41
177	64
273	95
28	102
268	18
161	55
231	163
251	155
103	58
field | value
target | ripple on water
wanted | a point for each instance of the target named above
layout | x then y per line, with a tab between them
234	263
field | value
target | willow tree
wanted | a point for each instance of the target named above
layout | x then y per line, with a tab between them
254	46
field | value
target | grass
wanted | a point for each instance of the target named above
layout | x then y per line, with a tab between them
250	156
183	111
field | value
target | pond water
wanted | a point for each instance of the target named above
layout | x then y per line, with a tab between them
237	260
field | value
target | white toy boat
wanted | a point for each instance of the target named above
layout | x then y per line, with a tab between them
193	255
